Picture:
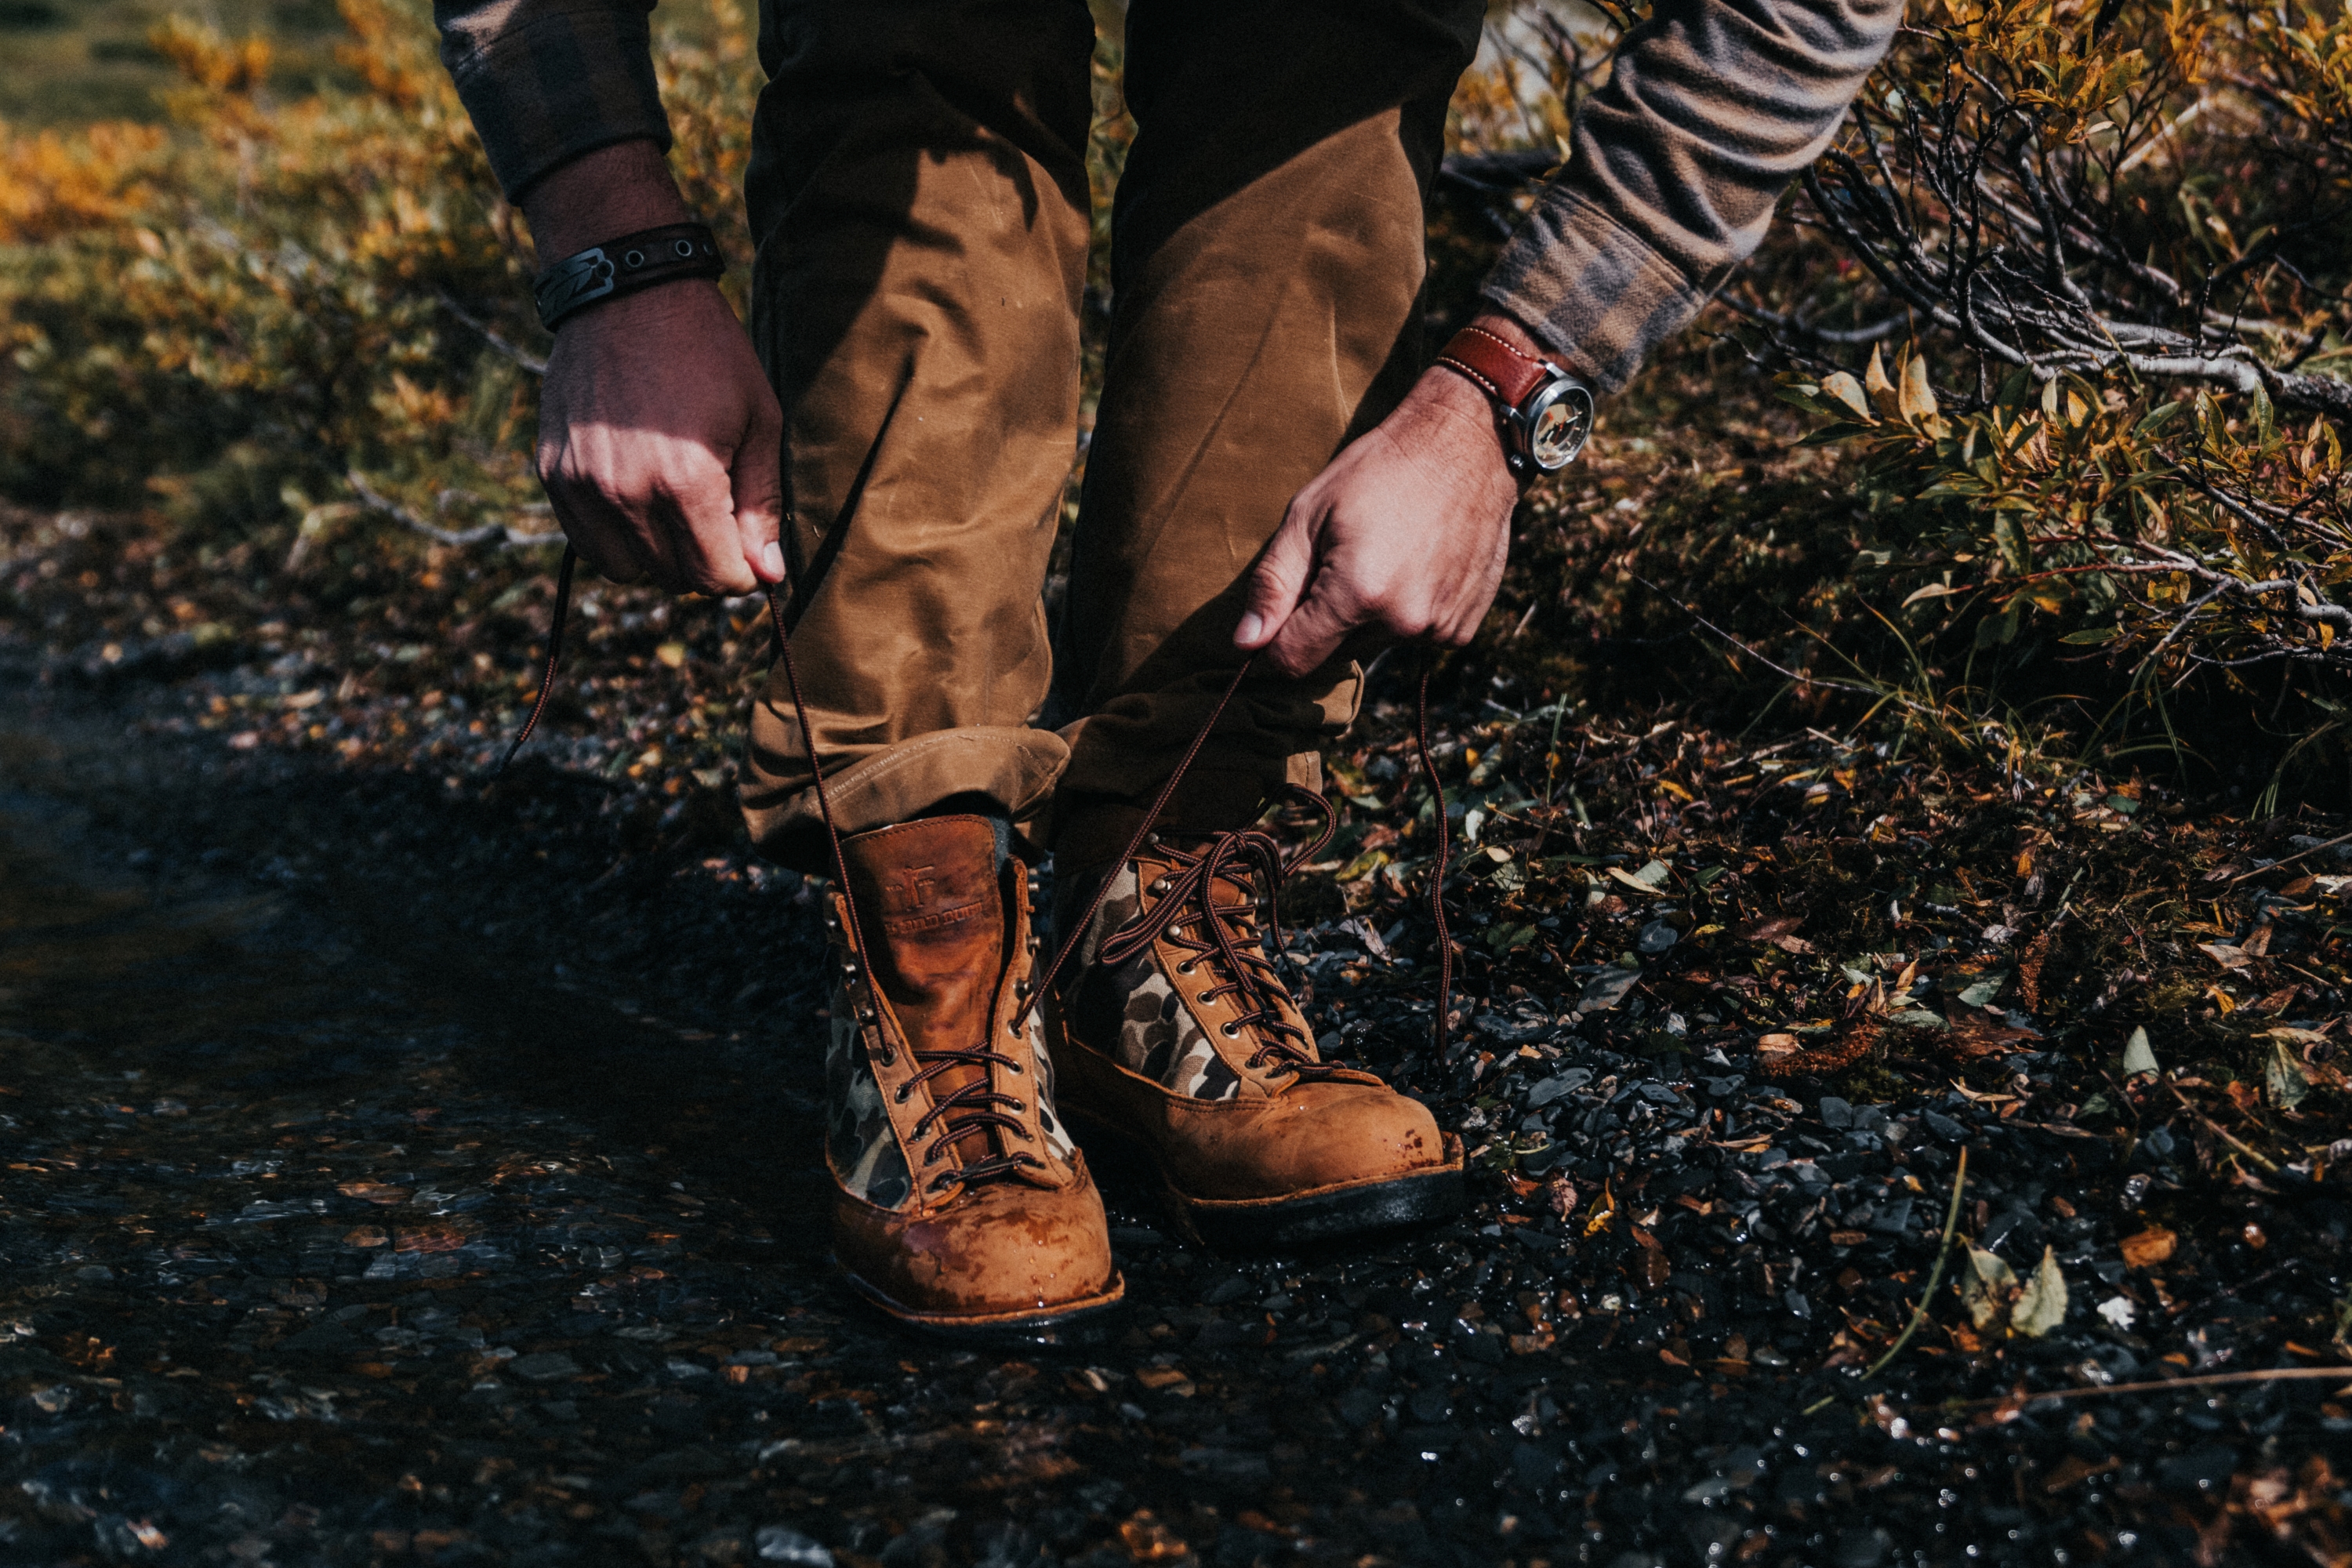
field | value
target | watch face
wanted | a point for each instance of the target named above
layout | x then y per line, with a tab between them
1558	424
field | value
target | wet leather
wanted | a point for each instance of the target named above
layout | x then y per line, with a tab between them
933	914
944	934
1008	1247
1304	1138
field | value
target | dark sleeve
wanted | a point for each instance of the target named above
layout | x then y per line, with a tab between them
1712	108
546	81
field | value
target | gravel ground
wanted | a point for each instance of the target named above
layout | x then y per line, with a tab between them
401	1170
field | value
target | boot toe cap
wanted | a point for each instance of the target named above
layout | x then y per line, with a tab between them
999	1254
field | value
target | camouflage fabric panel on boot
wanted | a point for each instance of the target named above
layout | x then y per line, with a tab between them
1134	1011
1184	1044
860	1142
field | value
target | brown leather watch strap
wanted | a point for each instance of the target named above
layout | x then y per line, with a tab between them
1500	371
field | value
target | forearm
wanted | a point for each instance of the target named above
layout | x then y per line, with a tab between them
1712	108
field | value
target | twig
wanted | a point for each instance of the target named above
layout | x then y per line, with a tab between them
530	362
1934	1274
2222	1133
2291	859
377	502
1935	1278
2163	1385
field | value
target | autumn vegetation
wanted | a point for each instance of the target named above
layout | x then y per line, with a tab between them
2022	440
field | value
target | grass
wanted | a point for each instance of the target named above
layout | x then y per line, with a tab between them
74	61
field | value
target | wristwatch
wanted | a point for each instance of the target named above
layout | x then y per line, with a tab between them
1545	414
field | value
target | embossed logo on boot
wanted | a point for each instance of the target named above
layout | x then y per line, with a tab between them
908	893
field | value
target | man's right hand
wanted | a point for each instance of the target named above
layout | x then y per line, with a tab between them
660	443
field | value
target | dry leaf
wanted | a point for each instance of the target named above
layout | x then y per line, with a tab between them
2149	1248
2042	1305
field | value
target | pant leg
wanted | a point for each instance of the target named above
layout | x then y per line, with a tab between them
918	193
1267	258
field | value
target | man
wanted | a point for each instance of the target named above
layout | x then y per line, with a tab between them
1274	470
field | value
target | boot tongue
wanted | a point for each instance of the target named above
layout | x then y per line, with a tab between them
933	911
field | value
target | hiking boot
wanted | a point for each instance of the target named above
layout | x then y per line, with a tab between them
963	1207
1179	1042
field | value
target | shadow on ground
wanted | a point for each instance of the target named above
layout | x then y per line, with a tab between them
381	1189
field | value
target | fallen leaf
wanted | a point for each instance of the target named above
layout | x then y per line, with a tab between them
2149	1248
2138	1056
2042	1305
2284	1077
2225	956
373	1192
1987	1286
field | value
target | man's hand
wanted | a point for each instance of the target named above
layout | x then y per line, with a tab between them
1403	536
660	443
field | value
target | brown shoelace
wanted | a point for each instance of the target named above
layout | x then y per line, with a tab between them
1248	972
1189	916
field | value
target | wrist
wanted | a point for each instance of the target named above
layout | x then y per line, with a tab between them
1541	414
625	188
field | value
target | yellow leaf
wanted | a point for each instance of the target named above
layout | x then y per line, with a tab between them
1918	398
1848	391
1882	391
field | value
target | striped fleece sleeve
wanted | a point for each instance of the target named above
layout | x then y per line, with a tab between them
1712	108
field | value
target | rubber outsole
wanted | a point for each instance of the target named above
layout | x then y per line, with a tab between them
1075	1323
1324	1213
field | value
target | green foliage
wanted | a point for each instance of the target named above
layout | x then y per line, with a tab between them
292	313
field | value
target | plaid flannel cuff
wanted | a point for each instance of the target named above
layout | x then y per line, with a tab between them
545	83
1592	291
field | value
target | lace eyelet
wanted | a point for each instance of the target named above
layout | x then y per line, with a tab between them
904	1089
1014	1067
1185	967
1232	1029
1207	997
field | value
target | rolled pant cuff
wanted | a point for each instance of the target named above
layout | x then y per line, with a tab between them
1013	765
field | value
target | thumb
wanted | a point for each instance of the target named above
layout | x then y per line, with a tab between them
1277	581
757	479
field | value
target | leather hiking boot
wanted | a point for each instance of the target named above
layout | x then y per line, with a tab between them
1179	1042
963	1207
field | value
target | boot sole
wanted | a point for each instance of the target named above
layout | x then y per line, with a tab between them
1319	1214
1068	1323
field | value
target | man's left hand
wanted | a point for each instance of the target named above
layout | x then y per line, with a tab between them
1403	536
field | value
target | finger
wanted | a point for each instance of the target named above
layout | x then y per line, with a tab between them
1332	612
603	536
1279	579
757	482
699	530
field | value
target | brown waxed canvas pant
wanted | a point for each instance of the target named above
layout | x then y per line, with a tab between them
919	194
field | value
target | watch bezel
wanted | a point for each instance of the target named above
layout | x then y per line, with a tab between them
1536	404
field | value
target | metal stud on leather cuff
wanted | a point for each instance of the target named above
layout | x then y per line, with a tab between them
625	265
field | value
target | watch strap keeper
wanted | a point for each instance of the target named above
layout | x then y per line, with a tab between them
625	265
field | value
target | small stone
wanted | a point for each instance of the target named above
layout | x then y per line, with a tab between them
780	1543
544	1366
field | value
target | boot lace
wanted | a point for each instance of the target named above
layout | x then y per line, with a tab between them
1247	972
1226	937
970	1109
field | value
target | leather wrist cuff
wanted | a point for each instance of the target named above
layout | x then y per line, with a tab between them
625	265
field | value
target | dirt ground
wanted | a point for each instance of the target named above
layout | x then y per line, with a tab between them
1876	1159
